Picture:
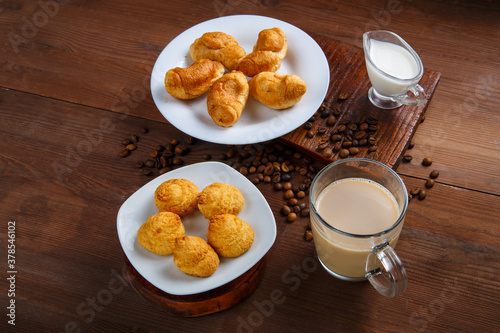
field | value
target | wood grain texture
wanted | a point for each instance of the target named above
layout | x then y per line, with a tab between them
74	89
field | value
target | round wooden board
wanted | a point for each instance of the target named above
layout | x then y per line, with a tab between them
200	304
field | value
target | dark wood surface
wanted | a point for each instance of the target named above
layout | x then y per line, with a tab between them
74	82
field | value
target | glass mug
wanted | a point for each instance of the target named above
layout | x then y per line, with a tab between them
358	256
394	69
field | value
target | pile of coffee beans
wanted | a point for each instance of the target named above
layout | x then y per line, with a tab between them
340	136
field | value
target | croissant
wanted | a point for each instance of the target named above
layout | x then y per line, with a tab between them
227	97
276	90
268	51
218	46
191	82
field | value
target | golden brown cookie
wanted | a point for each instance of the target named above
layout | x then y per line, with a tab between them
229	235
220	198
179	196
194	256
159	232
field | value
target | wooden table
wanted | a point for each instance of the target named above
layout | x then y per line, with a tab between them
74	83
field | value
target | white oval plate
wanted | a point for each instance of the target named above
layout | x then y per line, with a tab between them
161	270
258	122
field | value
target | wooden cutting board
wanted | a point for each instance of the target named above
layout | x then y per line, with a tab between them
349	80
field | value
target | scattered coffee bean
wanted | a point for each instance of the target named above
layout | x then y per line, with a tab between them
293	202
278	186
434	174
207	157
144	130
153	154
331	120
411	145
421	195
343	153
165	170
415	191
301	194
308	235
407	158
134	138
177	161
124	152
291	217
181	150
131	147
429	183
327	152
353	150
287	186
310	134
426	161
146	172
343	96
126	142
149	163
255	180
289	194
304	212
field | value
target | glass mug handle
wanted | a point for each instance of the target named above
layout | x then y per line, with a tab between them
414	96
392	283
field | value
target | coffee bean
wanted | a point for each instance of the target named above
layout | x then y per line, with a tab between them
153	154
434	174
144	130
310	134
139	164
146	172
304	212
426	161
149	163
415	191
293	201
181	150
278	186
124	152
301	194
165	170
429	183
336	137
359	135
374	156
353	150
177	161
286	177
325	113
175	142
342	128
308	235
291	217
244	170
207	157
255	180
323	145
269	169
322	130
287	186
267	179
126	142
407	158
421	195
411	145
331	120
372	148
343	153
343	96
191	140
289	194
134	138
285	210
346	144
296	209
131	147
371	121
363	127
260	176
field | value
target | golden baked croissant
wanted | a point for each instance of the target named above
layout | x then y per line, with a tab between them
191	82
270	49
218	46
276	90
227	97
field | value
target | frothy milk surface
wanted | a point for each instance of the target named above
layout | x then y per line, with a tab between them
357	206
393	59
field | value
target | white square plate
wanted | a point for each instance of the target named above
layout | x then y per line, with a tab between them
161	270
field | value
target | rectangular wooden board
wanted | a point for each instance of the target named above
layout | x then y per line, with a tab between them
348	77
